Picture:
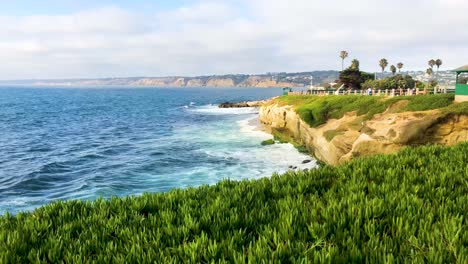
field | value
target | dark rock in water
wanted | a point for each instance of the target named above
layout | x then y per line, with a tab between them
295	167
241	104
233	105
306	161
291	166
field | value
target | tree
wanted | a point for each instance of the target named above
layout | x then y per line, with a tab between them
353	78
343	56
431	63
401	81
399	66
383	64
355	64
438	63
429	72
393	69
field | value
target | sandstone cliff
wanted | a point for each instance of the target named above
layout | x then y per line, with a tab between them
340	140
299	79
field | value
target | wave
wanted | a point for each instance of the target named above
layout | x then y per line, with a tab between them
252	127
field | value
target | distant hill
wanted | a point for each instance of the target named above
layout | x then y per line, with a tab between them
281	79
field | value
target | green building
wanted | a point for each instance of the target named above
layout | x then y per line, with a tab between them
461	85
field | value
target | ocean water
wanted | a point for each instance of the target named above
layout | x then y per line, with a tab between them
84	143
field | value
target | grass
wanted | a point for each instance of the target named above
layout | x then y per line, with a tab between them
410	207
459	108
316	110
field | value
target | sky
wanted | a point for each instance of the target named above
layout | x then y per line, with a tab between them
95	39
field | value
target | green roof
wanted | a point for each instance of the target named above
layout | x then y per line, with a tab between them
462	69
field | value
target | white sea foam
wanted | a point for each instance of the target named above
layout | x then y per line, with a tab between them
251	126
215	110
253	160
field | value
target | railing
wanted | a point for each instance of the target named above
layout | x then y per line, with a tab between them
374	92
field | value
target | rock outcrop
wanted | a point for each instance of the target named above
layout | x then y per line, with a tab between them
243	104
340	140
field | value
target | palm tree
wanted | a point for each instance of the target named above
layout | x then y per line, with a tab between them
399	66
429	72
343	56
438	63
355	64
431	63
393	69
383	64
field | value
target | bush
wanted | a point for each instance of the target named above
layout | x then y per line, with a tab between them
394	82
408	207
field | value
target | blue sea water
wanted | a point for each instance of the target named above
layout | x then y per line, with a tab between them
84	143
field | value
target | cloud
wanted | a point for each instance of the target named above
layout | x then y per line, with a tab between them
236	36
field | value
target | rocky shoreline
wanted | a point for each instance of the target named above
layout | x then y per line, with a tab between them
244	104
344	139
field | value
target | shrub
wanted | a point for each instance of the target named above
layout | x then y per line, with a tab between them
394	82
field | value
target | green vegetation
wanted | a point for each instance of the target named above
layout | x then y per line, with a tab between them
279	139
456	109
282	137
330	134
352	77
397	81
268	142
409	207
316	110
301	148
383	63
343	55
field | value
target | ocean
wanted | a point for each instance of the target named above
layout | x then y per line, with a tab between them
85	143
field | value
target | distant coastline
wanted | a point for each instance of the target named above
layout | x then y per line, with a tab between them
266	80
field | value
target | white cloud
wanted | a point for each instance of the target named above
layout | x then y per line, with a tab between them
243	36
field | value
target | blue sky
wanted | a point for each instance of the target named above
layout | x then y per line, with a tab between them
91	39
60	7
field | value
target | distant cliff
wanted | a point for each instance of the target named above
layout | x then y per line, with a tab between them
231	80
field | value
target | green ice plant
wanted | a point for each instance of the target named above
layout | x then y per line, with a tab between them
317	110
408	207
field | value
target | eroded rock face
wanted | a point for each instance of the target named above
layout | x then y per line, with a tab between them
340	140
220	82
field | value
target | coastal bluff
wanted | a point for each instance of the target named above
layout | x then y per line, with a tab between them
343	139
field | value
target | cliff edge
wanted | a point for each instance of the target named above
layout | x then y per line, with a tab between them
354	134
